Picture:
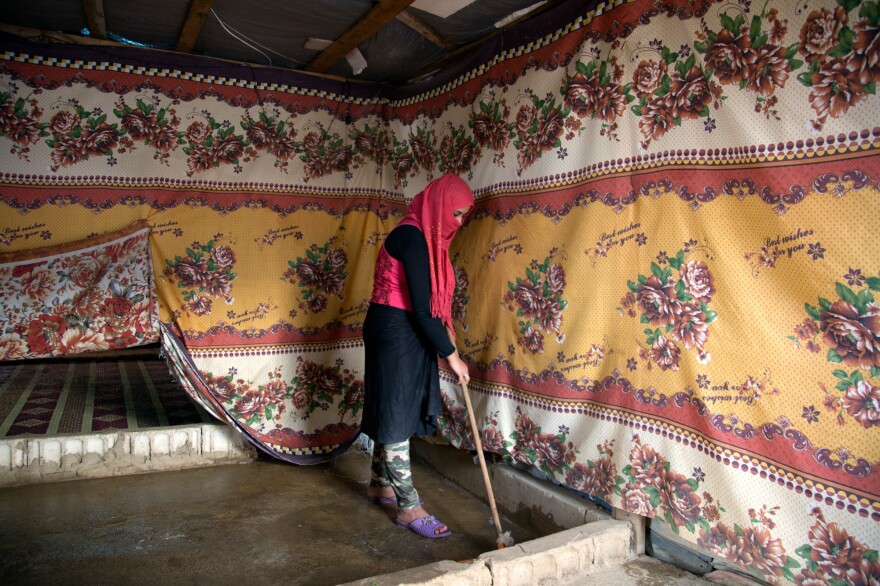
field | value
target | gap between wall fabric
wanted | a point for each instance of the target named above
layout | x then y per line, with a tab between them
666	291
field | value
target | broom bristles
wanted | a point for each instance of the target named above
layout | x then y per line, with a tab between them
504	540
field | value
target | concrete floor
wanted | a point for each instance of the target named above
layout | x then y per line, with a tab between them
259	523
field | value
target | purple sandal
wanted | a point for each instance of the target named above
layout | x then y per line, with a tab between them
425	526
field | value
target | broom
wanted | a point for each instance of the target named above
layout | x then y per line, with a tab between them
504	539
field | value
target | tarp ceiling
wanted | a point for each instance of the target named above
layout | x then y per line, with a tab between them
274	32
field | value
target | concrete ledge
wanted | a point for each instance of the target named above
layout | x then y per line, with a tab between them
568	554
520	496
26	460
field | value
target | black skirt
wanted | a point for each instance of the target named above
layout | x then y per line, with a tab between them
402	381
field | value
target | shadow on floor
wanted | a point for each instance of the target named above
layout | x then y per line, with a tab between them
261	523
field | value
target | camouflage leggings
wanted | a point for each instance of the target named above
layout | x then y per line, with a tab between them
391	467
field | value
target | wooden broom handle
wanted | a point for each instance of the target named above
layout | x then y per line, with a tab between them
479	445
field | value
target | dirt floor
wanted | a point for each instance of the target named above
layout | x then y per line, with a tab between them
261	523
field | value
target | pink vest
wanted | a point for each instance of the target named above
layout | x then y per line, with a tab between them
389	282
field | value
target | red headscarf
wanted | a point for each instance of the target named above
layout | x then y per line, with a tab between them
431	211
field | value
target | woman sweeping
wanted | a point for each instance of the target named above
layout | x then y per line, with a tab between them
408	325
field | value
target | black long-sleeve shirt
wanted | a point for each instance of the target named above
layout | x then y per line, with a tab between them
407	245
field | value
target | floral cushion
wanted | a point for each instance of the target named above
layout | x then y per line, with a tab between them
95	294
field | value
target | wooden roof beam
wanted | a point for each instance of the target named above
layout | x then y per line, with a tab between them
463	50
418	25
94	13
192	26
381	14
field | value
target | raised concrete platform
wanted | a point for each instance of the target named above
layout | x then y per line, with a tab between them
25	460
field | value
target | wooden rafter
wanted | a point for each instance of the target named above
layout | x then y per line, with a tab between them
381	14
94	13
192	26
465	49
418	25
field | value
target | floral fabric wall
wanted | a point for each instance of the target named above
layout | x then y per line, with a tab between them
94	294
666	292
